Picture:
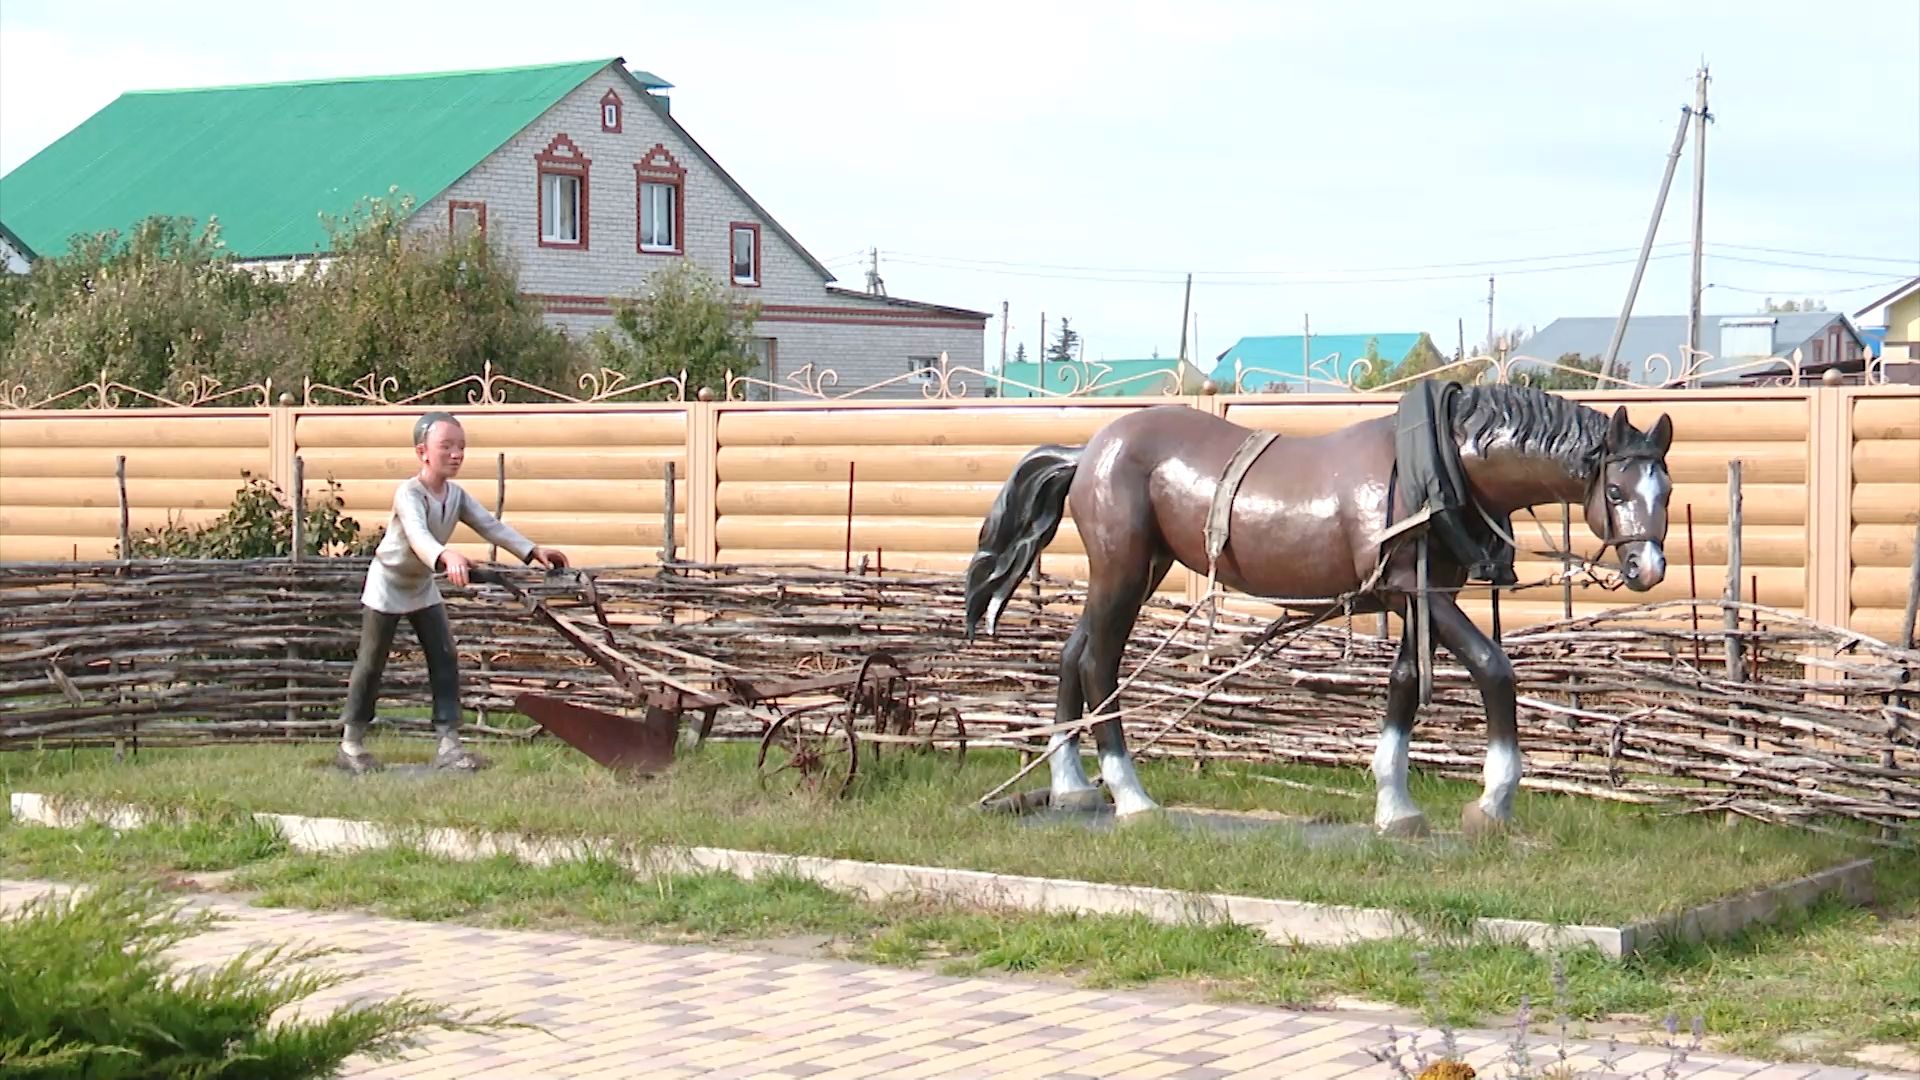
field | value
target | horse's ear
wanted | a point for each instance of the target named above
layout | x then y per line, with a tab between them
1661	436
1619	430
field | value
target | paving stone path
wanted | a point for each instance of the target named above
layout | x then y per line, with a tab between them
609	1009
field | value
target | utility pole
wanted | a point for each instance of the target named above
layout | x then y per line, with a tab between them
1460	352
1042	358
1003	337
875	286
1700	118
1186	309
1646	246
1306	346
1490	346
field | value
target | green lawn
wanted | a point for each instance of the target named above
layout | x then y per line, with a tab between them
1572	860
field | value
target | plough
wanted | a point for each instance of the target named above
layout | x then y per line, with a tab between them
815	743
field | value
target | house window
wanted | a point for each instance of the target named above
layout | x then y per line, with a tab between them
610	112
744	245
660	187
562	218
658	206
765	353
924	369
562	202
465	219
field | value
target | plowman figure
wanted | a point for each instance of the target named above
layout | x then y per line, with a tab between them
400	583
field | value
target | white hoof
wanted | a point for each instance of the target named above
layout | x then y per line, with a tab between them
1412	825
1133	805
1089	798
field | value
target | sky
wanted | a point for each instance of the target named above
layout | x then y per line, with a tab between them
1362	164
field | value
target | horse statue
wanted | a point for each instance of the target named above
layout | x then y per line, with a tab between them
1284	518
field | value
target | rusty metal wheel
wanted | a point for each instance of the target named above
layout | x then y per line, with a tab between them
801	752
946	737
887	699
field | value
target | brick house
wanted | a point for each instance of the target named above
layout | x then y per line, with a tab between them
580	170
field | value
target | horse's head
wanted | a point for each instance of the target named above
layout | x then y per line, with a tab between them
1627	500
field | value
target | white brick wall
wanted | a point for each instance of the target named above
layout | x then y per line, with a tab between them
611	266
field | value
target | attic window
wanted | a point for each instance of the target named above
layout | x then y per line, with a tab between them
610	112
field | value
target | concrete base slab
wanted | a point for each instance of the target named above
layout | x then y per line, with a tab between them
1286	921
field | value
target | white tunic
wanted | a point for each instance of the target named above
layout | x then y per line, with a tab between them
400	579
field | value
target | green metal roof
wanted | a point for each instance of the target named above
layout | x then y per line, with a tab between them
268	160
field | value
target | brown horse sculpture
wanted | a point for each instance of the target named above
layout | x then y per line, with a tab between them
1306	522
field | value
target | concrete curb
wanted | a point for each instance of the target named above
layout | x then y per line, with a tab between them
1284	921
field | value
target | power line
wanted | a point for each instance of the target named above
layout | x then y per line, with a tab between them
1811	292
1908	261
1177	279
1500	262
1804	266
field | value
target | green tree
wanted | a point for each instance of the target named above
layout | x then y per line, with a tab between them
1067	345
1020	353
416	306
684	322
155	310
1585	373
1424	356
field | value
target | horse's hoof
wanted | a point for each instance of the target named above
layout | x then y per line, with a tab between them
461	760
1085	799
1475	821
1410	827
357	764
1140	814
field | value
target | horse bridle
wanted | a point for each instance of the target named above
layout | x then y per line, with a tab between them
1612	539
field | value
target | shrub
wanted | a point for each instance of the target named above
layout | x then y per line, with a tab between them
86	993
259	525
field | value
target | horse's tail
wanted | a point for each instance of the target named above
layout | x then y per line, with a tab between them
1024	517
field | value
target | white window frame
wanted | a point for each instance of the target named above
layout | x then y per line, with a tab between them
650	216
752	234
609	115
552	185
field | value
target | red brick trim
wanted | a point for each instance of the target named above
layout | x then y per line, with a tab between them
759	268
781	313
619	113
660	167
480	208
561	157
868	316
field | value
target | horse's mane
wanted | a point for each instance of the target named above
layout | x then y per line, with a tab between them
1531	421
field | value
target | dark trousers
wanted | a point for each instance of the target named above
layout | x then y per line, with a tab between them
435	633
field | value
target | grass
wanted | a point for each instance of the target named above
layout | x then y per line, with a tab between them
1852	976
1573	860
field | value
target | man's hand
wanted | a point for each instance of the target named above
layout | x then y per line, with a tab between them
456	565
550	557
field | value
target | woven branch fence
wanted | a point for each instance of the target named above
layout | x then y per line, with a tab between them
1697	704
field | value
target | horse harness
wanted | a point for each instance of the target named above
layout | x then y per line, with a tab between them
1427	460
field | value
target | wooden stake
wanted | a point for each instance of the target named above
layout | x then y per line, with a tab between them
1693	585
126	533
667	551
499	499
849	550
1735	671
299	507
